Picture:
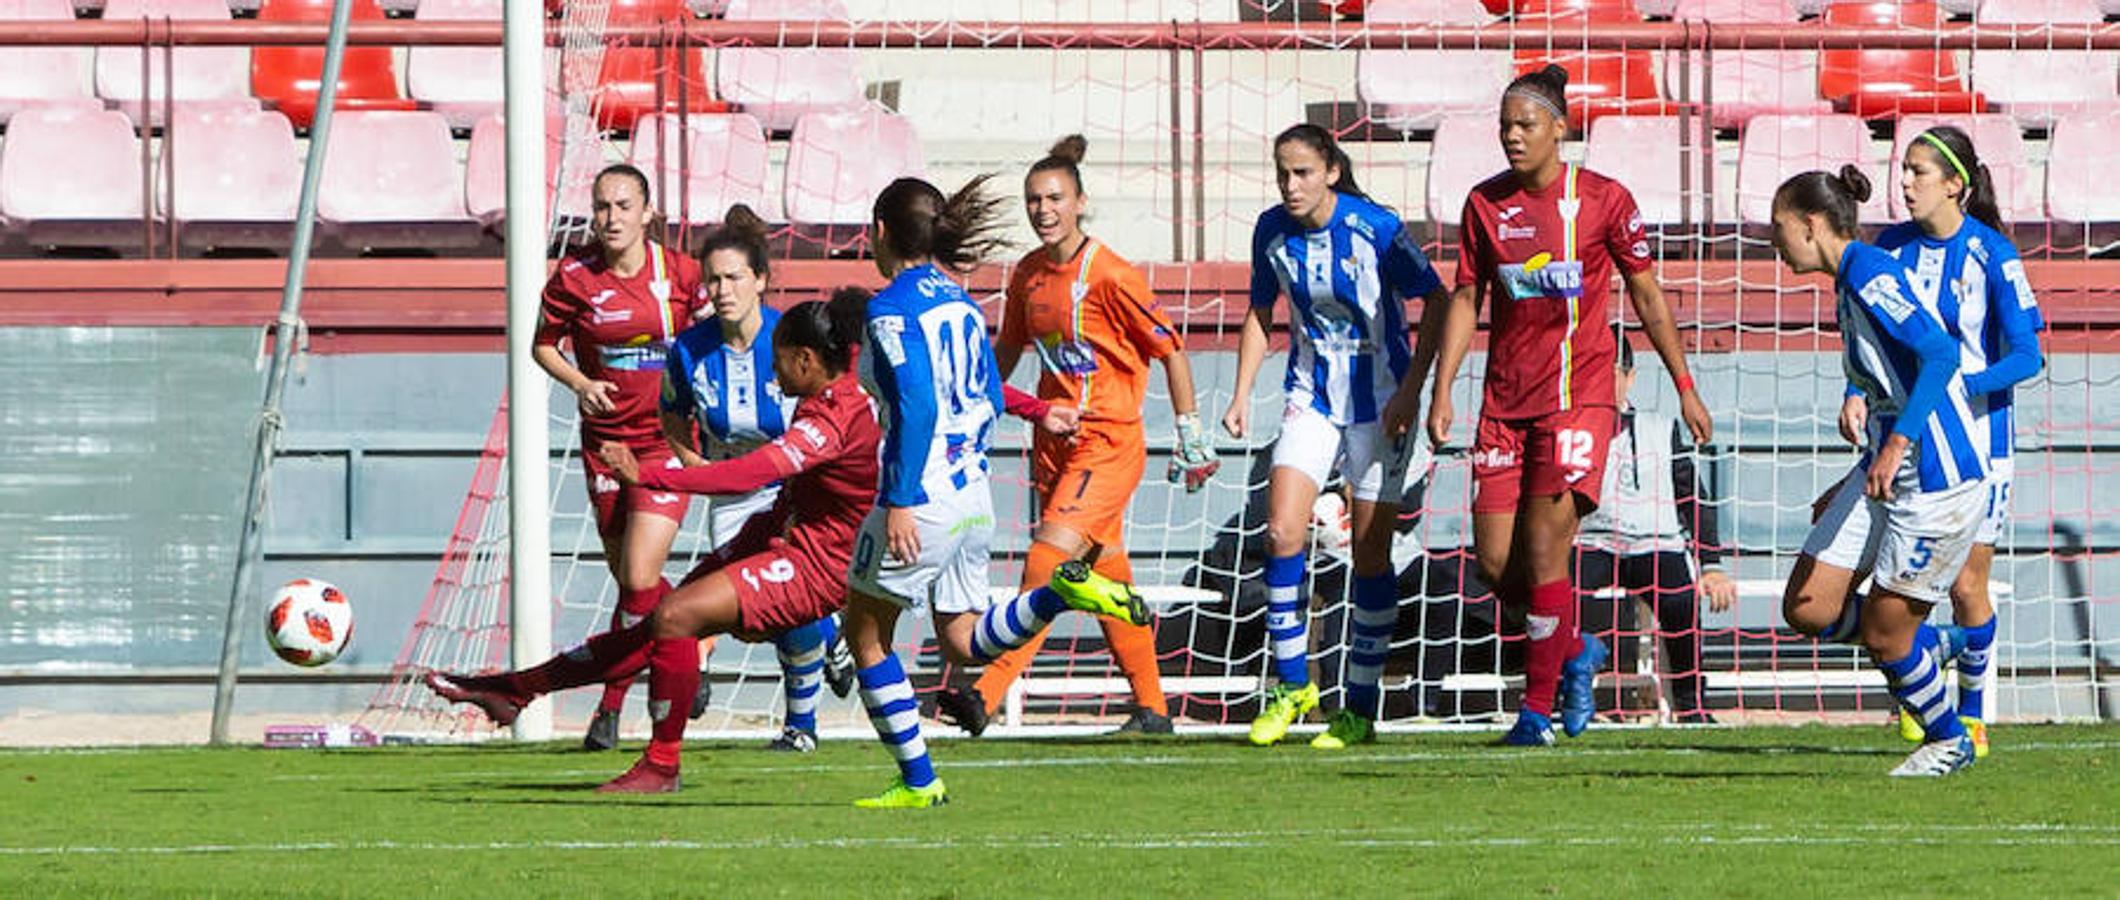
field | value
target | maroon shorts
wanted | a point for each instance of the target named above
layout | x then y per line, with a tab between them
614	502
778	587
1551	455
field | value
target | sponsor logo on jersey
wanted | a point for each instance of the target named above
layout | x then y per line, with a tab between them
809	432
1634	222
661	499
1641	249
2014	272
1510	213
1356	224
1516	233
636	356
610	316
604	484
795	456
1540	277
602	297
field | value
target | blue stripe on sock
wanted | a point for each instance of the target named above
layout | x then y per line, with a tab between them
1376	592
1913	674
1284	571
827	629
1045	604
882	674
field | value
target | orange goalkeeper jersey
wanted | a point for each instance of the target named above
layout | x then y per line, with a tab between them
1095	327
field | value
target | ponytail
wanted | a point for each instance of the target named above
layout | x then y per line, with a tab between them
958	232
1953	149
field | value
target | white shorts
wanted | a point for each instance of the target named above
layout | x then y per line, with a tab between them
1996	488
1913	546
956	542
726	515
1376	467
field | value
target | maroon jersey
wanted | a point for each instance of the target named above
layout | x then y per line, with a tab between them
619	330
827	463
1546	277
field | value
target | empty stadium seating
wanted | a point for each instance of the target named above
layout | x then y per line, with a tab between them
1600	82
636	81
1643	153
42	75
1776	147
289	78
779	86
2038	84
235	178
391	180
70	175
2002	150
721	162
463	83
2080	186
838	162
219	76
1877	84
1465	153
486	172
1415	89
1745	83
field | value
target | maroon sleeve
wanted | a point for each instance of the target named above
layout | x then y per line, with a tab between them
1472	263
1023	405
559	309
811	441
1625	237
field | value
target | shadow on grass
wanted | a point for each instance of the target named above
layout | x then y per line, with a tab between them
585	796
1580	774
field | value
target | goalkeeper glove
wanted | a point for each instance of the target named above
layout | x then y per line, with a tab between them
1194	462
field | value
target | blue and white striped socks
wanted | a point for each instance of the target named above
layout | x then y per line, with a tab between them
1376	615
1287	619
896	715
1008	625
1917	682
801	652
1973	668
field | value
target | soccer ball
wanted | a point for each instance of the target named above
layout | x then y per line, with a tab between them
308	622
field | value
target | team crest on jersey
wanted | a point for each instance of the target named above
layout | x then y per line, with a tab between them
1883	293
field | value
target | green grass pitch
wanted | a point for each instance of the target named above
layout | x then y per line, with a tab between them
1762	812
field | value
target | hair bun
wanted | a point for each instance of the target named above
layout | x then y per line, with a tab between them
1069	149
1554	73
1855	183
741	221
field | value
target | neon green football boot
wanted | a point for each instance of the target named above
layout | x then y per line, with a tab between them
1345	729
1283	707
1910	728
900	796
1977	730
1085	590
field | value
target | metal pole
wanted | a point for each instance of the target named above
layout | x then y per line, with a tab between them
284	338
529	400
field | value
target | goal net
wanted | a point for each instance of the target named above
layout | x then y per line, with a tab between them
1178	169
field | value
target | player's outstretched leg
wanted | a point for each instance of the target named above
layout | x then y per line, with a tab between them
634	606
1287	627
802	663
502	696
896	715
1376	615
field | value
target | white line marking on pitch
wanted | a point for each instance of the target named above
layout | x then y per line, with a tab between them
1898	836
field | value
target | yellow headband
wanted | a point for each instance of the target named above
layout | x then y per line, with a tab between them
1945	149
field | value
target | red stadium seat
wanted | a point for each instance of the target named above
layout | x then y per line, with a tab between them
1415	89
2080	186
632	76
391	180
1600	82
217	76
1879	84
289	77
1747	83
41	75
1464	153
235	178
1642	153
838	162
723	163
1777	147
779	86
71	174
2040	83
2002	150
462	83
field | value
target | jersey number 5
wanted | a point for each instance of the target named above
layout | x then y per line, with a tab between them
1573	446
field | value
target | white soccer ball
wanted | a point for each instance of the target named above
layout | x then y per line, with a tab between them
308	622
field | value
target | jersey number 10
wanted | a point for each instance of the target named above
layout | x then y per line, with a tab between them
960	361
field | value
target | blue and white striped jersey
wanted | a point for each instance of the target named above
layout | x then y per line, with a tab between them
1974	283
930	364
1348	283
732	394
1906	365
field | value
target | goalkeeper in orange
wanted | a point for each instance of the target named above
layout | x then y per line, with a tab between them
1095	326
